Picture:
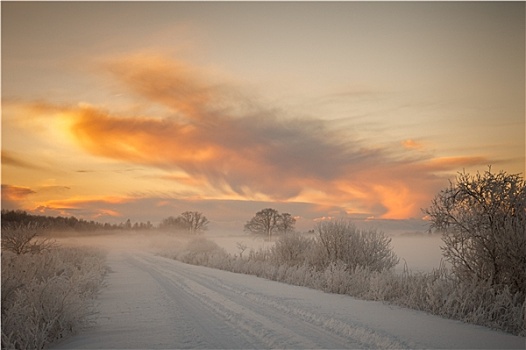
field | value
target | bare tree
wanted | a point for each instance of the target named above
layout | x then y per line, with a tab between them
21	239
287	223
173	223
242	247
266	221
483	221
195	221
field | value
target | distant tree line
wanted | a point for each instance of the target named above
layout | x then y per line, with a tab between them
11	218
192	222
266	222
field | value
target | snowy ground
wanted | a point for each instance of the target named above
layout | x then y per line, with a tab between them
154	302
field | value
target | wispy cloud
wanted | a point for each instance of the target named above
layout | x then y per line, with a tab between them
449	163
218	137
87	207
412	144
11	192
14	197
9	158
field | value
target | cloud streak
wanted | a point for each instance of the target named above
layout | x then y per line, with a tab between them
220	137
15	193
87	207
9	158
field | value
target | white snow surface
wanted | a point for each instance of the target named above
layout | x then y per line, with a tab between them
151	302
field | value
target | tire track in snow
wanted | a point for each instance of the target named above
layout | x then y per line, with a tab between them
264	331
283	322
202	328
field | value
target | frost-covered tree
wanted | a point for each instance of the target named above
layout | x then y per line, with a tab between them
483	221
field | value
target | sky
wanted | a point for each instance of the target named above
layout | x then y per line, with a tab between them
138	110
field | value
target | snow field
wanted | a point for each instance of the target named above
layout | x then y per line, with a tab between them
155	302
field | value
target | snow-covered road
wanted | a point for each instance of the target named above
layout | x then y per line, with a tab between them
153	302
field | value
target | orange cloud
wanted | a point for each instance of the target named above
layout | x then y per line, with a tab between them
77	203
231	153
87	207
108	212
398	201
171	83
411	144
15	193
455	163
212	137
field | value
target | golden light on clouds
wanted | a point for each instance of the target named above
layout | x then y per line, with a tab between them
15	193
96	206
365	118
398	200
217	150
168	82
411	144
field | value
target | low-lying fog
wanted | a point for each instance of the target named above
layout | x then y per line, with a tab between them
420	251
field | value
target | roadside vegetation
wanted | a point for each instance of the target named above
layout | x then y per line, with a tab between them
482	219
47	291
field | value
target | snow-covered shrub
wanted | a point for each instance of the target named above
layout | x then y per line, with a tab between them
481	303
439	292
359	282
47	296
259	255
384	286
336	277
343	241
22	239
200	251
291	249
303	275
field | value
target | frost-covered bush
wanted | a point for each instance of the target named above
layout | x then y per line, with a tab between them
481	303
202	251
342	241
291	249
23	239
483	221
47	296
441	292
336	278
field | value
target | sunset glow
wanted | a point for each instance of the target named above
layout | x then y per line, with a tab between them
141	110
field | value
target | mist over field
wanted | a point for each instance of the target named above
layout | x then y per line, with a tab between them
134	267
204	277
420	251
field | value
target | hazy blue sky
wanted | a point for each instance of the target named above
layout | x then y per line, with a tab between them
140	110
